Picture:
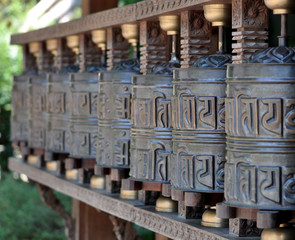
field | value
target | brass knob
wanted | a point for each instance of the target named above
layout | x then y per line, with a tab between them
97	182
165	204
51	46
99	37
209	219
278	234
218	14
73	43
281	6
51	166
128	194
34	48
170	24
72	174
130	32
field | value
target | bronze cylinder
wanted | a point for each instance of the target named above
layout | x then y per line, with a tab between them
260	167
198	129
83	121
58	110
37	113
20	112
151	130
114	94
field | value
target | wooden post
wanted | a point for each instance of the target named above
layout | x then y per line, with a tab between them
154	45
250	18
196	37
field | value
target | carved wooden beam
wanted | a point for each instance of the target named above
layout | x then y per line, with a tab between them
250	18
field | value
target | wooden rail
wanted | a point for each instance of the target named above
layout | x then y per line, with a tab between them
168	224
113	17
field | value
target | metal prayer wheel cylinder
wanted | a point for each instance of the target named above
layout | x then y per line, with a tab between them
151	130
83	120
114	95
198	116
260	167
58	114
37	113
20	112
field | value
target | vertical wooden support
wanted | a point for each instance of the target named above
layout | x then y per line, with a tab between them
250	18
90	223
45	59
65	56
154	45
29	60
117	46
196	37
90	54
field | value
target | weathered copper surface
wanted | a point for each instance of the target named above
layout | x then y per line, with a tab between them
37	112
83	120
198	129
20	112
260	167
151	130
58	113
114	95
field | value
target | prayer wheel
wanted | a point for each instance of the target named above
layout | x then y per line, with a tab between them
20	111
260	167
114	95
58	136
151	130
199	116
83	119
58	114
114	102
198	129
37	113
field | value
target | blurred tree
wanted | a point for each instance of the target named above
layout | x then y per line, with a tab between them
12	15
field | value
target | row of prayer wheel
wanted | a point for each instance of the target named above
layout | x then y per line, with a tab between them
213	128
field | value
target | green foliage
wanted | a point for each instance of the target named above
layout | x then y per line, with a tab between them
24	216
12	15
122	3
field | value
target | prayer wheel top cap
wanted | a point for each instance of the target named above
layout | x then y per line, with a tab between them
209	219
213	61
73	43
280	54
34	48
165	204
170	24
281	6
278	234
218	14
130	32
